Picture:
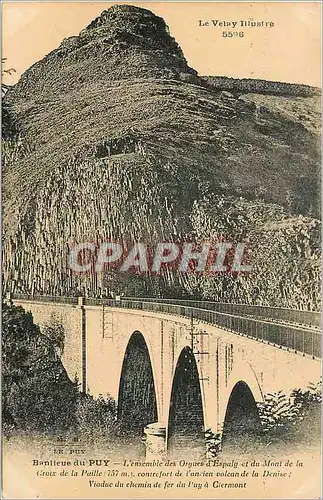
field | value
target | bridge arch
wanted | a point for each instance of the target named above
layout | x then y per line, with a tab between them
186	408
137	396
240	416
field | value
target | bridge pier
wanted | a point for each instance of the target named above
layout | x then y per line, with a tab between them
155	441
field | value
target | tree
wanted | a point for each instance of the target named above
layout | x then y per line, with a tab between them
8	127
8	71
37	393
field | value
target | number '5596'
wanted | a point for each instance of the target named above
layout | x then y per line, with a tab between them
232	34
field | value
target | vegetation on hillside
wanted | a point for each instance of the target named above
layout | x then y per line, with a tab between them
284	252
280	413
292	419
37	395
7	122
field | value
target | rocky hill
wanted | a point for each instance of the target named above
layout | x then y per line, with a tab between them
113	136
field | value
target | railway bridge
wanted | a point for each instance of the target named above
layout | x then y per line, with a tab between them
182	367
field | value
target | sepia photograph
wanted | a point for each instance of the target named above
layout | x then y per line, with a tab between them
161	249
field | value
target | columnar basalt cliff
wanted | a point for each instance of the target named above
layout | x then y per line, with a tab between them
114	136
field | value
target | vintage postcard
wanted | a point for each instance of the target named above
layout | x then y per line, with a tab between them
161	328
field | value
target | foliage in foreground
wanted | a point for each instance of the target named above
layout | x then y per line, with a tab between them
280	413
37	395
283	418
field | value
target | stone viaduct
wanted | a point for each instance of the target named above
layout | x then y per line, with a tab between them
183	374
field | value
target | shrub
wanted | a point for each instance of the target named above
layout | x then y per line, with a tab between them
279	413
37	394
95	419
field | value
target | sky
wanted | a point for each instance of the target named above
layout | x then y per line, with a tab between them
289	51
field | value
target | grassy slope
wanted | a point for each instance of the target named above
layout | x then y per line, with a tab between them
227	143
303	110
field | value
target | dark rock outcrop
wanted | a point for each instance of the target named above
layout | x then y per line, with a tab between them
117	138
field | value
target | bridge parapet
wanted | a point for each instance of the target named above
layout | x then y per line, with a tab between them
263	324
303	340
297	316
